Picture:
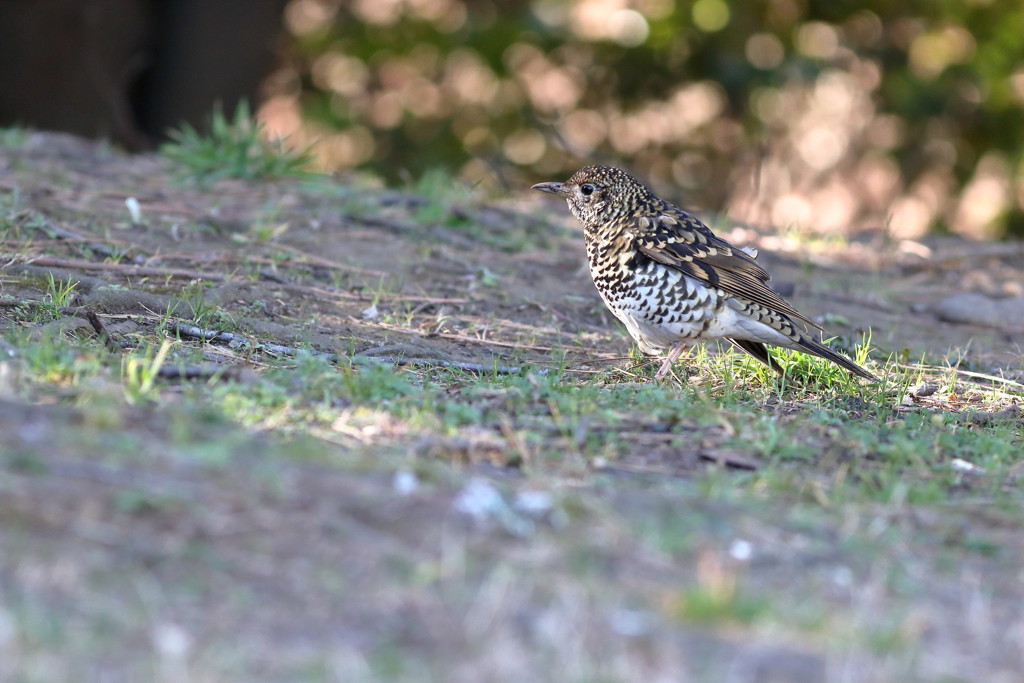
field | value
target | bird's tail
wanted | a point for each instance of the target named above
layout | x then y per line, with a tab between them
808	345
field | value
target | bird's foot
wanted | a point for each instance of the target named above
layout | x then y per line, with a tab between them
672	357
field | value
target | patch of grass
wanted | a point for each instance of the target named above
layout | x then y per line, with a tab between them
58	294
442	192
15	221
48	360
448	202
233	148
139	373
203	313
719	607
266	226
14	137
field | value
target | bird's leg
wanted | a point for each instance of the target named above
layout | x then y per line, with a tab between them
672	357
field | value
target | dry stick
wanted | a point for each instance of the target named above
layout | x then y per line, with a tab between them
268	274
203	372
195	332
301	259
437	362
74	311
101	331
473	340
327	263
58	240
965	373
383	298
191	372
277	349
96	244
127	270
400	226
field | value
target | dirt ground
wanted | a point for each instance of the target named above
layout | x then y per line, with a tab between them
248	566
338	248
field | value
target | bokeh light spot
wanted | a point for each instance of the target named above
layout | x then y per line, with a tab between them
710	15
932	52
628	27
524	147
765	51
817	40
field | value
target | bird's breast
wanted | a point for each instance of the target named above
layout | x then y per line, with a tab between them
657	303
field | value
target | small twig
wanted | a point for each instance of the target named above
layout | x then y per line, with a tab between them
301	260
67	235
192	373
76	311
400	226
381	298
199	333
733	459
128	269
475	340
101	331
455	365
964	373
327	263
290	351
186	330
990	378
268	274
195	332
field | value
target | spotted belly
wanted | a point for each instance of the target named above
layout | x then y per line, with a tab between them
661	306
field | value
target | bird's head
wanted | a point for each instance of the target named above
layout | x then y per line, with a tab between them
599	194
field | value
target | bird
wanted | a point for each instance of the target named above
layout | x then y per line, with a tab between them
672	282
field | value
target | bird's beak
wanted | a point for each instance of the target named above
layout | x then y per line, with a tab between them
552	188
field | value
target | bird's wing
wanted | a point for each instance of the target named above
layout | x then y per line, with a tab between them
682	242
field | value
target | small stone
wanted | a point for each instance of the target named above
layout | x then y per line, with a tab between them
534	503
405	482
961	465
741	550
923	389
171	641
977	309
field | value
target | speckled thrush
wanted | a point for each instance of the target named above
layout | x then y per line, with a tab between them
673	282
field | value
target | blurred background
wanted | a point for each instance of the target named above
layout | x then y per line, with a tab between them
824	116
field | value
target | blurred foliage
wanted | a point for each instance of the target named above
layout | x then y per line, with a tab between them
829	115
231	148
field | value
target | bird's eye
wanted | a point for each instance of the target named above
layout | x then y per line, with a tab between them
587	189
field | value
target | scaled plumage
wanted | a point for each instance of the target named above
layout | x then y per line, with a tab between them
671	281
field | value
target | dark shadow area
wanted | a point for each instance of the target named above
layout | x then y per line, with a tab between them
129	70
